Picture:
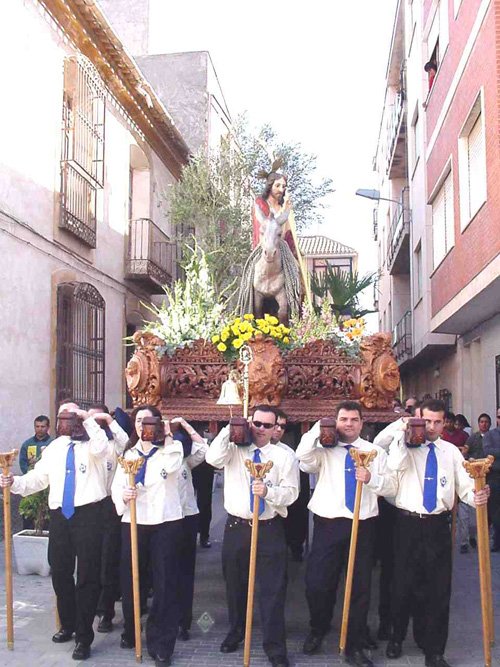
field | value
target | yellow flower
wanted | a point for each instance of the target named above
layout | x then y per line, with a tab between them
237	320
357	332
286	340
273	320
224	336
248	316
264	328
237	343
235	330
278	334
215	339
246	336
221	347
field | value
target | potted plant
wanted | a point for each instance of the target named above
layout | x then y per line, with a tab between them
31	546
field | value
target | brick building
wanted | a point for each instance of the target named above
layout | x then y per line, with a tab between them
438	217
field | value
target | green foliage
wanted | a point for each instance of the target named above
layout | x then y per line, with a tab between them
213	198
36	508
306	189
342	291
192	308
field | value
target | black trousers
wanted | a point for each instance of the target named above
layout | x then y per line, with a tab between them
271	578
203	480
326	560
110	562
494	507
187	568
80	539
162	543
422	560
297	521
384	553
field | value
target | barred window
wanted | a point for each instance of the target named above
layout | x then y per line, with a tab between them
80	344
82	160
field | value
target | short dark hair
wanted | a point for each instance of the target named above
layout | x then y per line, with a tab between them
433	405
349	405
265	408
280	414
42	418
462	420
99	406
484	415
450	416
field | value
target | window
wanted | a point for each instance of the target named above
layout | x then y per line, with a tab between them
443	232
437	41
80	344
417	275
82	160
472	164
343	264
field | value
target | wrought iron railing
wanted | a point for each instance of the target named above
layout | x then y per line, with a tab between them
402	338
78	204
395	117
400	225
151	255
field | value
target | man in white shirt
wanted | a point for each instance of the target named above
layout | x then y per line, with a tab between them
297	519
428	479
73	469
332	504
278	490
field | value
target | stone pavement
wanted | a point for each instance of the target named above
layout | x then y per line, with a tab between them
35	621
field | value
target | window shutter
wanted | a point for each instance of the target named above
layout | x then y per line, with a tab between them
476	170
438	227
449	218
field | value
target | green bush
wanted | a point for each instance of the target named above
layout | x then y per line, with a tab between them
36	508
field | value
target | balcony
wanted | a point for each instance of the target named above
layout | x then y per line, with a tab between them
398	240
402	339
396	165
151	257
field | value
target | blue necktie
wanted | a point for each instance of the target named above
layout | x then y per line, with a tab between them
430	479
262	505
68	501
141	474
350	480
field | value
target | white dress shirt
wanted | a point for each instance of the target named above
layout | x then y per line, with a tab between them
409	465
90	480
185	478
387	435
281	481
115	449
158	500
328	499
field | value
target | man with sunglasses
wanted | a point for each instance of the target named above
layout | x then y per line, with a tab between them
277	491
332	504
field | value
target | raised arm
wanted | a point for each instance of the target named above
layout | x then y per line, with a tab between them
221	450
308	452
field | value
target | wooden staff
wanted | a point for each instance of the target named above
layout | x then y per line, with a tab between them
257	471
6	461
478	469
131	468
361	460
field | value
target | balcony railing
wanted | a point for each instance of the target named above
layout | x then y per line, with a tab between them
152	258
402	339
396	125
78	204
399	229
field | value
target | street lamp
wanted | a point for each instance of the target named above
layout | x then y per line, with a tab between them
375	196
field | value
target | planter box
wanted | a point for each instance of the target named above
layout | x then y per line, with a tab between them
31	552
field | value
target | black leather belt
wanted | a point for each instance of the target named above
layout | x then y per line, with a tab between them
418	515
237	520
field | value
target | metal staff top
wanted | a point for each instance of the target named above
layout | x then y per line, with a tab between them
362	459
246	356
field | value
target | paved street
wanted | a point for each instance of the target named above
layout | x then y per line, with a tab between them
35	621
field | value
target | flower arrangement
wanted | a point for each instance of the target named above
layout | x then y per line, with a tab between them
242	329
191	309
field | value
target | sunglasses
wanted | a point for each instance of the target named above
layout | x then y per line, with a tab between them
263	425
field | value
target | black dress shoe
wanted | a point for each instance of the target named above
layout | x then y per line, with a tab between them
231	643
435	661
384	631
394	649
125	642
81	652
297	556
205	544
369	643
105	624
162	660
312	643
62	636
279	661
184	634
359	658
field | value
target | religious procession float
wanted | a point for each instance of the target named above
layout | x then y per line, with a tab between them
298	354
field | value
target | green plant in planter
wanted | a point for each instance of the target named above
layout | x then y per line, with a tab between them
36	508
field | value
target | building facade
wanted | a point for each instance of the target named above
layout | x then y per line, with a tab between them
88	152
438	159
